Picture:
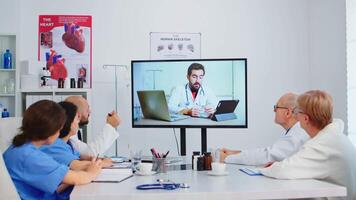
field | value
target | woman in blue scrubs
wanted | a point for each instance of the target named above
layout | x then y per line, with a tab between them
62	150
35	174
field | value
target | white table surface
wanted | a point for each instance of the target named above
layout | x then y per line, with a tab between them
236	185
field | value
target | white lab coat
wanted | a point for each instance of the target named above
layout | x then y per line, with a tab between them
285	146
329	156
99	145
181	98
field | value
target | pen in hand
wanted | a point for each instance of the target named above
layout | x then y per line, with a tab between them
97	158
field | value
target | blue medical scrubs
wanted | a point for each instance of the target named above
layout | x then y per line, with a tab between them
35	174
61	151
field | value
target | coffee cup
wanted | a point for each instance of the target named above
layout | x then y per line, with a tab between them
218	167
145	168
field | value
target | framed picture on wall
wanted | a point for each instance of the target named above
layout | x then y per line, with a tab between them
168	46
65	43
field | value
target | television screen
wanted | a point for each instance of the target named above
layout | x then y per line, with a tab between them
203	93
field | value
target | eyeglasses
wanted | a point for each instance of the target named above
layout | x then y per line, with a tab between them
275	107
297	110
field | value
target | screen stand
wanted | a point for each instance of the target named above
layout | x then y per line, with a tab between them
183	147
203	140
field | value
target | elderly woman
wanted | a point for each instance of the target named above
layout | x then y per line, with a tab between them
328	155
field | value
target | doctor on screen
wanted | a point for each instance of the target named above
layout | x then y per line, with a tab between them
193	98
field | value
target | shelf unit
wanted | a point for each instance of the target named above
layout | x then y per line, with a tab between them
29	96
9	99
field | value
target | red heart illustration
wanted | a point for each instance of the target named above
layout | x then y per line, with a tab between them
55	64
73	37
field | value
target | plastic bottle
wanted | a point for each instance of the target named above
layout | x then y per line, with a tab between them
195	159
5	113
7	59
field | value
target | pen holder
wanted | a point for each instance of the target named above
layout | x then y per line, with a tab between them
159	165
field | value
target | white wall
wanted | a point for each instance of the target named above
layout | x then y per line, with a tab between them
351	67
328	51
9	16
274	35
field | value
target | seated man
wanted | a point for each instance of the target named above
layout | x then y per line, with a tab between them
289	143
192	98
101	142
328	155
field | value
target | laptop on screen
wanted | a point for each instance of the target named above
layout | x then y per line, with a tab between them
154	106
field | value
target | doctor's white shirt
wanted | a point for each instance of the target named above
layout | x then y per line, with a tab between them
182	98
329	156
100	143
284	147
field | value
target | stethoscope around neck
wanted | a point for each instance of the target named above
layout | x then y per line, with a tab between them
186	93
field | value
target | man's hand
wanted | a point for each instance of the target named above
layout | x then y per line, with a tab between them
209	110
222	156
268	164
113	119
227	152
194	112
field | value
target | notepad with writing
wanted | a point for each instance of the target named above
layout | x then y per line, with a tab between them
251	171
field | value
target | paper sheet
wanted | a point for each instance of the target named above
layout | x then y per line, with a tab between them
113	174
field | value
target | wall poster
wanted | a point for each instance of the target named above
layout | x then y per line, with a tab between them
65	43
168	46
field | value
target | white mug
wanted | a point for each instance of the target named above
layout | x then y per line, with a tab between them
145	168
218	167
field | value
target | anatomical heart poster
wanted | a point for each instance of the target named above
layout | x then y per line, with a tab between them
64	42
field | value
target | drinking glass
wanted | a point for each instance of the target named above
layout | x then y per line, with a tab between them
216	155
11	86
136	157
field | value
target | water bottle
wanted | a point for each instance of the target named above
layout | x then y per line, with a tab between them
7	59
5	113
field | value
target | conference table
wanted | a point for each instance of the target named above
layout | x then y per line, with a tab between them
235	185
